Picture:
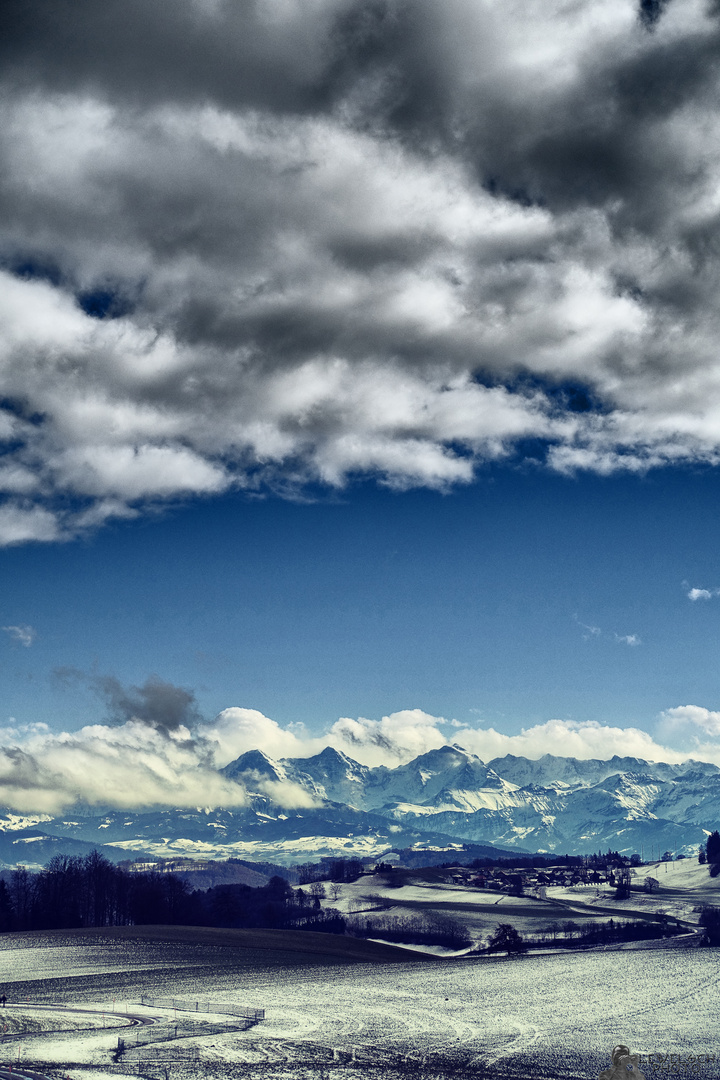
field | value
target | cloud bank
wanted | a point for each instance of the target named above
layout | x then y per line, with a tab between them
401	736
268	244
687	718
142	762
128	766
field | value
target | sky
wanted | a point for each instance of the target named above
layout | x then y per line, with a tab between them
360	385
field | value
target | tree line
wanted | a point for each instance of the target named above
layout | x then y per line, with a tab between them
572	935
411	930
75	891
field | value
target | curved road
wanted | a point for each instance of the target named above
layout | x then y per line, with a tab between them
22	1072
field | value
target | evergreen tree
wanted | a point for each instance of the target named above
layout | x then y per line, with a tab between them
713	848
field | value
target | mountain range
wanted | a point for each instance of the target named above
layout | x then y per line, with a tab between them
303	809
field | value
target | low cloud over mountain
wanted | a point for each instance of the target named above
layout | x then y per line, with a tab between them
154	749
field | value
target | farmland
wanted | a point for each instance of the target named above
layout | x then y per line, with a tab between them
339	1008
343	1016
435	895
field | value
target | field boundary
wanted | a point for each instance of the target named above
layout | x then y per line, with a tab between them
203	1007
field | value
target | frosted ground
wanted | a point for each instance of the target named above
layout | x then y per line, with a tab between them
543	1016
331	1015
683	887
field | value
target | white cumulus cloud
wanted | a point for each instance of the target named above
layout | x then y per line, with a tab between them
692	717
703	594
235	731
399	737
155	759
393	240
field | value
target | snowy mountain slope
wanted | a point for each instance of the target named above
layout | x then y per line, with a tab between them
425	777
433	776
256	831
583	806
334	776
549	769
255	767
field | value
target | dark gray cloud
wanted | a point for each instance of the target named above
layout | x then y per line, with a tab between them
18	768
161	705
237	54
650	11
273	242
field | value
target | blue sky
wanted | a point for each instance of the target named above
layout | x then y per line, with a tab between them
518	599
359	382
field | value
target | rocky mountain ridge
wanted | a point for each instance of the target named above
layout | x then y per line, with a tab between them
300	809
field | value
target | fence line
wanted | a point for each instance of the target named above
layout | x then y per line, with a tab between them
146	1035
203	1006
159	1061
188	1053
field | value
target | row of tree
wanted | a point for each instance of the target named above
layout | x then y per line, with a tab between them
337	870
411	930
572	935
74	891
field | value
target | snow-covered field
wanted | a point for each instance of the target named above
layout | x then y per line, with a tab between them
683	887
478	911
549	1016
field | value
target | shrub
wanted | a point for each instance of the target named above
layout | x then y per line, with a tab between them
710	920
